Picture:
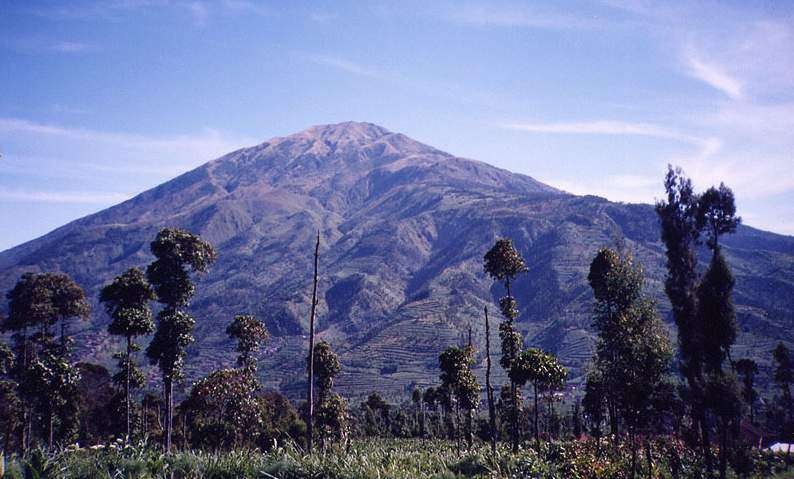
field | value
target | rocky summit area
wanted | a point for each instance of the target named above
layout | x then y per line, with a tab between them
403	228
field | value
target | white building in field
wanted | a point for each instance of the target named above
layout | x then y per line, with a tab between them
781	447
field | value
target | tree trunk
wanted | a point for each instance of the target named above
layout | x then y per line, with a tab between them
488	388
537	424
723	449
50	427
169	410
310	387
514	415
705	441
470	428
127	386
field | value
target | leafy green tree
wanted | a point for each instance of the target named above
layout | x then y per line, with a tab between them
326	367
126	301
544	371
717	316
250	334
332	419
177	254
594	401
10	405
332	415
456	376
783	378
41	302
633	352
717	214
747	369
222	409
503	263
53	385
681	219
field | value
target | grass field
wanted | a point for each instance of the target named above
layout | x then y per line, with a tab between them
399	459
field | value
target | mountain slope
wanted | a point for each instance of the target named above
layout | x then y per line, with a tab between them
404	227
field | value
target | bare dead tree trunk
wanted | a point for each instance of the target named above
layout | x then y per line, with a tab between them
488	388
169	411
310	387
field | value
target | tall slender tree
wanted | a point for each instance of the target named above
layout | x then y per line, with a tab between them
177	253
717	316
310	382
503	263
488	387
681	220
633	352
457	378
126	301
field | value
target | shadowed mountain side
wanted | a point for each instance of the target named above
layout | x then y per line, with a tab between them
404	228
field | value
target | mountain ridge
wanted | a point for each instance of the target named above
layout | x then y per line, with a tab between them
404	228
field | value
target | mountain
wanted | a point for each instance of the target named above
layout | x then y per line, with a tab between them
404	228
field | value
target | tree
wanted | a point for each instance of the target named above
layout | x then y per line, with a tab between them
332	419
43	373
332	409
681	220
717	316
177	254
544	372
503	263
594	401
784	377
717	213
126	301
457	378
310	385
326	367
222	408
747	369
10	405
250	334
488	387
633	352
416	399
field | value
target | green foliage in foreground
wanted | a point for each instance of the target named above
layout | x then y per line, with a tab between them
378	458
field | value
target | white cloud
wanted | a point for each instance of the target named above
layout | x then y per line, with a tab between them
78	197
519	16
714	75
124	151
604	127
345	65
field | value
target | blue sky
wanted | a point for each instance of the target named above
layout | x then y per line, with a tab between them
102	100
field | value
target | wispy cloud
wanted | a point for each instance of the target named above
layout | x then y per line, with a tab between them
519	16
73	197
345	65
605	127
39	45
151	153
714	75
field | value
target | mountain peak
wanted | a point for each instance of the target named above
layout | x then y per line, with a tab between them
349	132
